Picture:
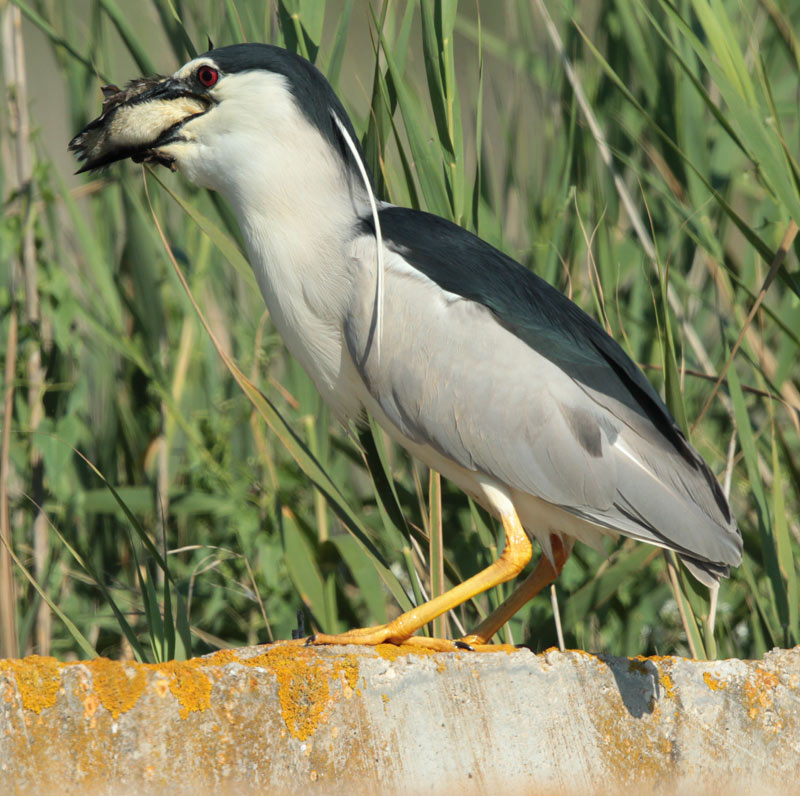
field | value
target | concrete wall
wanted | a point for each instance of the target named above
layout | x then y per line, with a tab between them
289	719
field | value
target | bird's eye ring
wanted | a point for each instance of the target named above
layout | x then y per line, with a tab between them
207	75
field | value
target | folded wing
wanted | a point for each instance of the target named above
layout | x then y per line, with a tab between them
497	370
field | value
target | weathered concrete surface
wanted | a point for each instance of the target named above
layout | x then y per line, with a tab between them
290	719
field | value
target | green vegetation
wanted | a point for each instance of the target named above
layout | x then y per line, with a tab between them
157	505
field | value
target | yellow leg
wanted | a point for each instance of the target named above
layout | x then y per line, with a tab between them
543	575
516	554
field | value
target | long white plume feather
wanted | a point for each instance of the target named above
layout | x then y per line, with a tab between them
378	312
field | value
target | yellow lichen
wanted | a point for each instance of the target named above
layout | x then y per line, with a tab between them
757	691
639	664
161	686
667	685
221	657
38	681
582	653
304	677
632	757
188	684
391	652
117	685
90	705
714	684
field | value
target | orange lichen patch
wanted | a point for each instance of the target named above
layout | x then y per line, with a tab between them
639	664
656	659
221	657
304	684
117	685
712	682
757	691
189	684
38	680
161	686
667	685
633	758
391	652
90	705
582	653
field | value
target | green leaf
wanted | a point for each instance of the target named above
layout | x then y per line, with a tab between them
303	570
778	613
365	576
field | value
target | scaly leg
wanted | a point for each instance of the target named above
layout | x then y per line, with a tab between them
516	554
543	575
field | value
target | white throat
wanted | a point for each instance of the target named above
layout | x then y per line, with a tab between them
297	207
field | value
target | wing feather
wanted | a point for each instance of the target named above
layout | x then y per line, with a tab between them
497	370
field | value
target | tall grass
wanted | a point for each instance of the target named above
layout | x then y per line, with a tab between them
640	155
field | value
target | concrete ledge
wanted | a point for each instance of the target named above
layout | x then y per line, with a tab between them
393	720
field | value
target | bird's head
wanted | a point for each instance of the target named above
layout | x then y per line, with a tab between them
229	120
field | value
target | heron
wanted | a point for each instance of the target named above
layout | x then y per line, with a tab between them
476	366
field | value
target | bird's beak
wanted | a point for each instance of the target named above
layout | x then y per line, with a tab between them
147	114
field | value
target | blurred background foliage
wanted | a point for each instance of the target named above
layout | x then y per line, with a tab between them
639	154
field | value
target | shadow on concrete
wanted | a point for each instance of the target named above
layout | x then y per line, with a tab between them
638	683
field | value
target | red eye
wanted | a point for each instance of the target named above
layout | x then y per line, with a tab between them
207	75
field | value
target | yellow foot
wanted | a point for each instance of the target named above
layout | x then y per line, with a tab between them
457	645
368	636
382	634
476	640
477	644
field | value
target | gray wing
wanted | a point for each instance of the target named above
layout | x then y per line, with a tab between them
507	377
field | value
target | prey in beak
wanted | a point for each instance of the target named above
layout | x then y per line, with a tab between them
138	119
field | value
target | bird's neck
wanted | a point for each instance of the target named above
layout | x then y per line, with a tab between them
298	224
297	239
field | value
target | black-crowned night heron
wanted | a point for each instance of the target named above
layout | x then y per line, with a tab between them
471	362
